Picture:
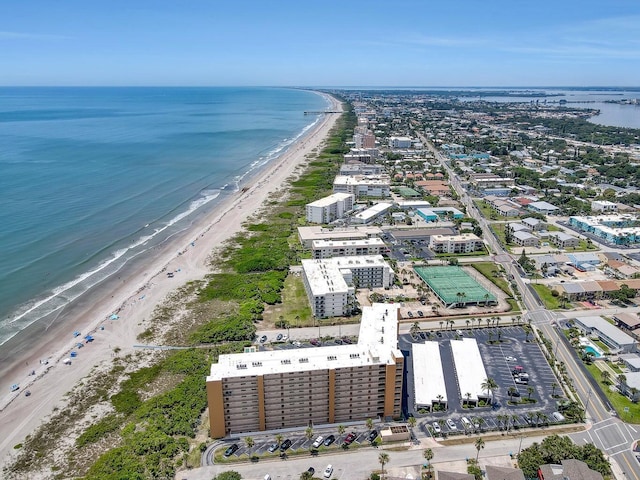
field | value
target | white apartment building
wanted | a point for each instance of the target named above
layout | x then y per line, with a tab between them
328	209
371	213
360	168
316	232
603	206
363	185
330	282
465	243
400	142
347	248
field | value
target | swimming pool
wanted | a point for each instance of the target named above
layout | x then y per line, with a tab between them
592	350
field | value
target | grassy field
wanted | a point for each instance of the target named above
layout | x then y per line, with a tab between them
294	304
489	269
619	401
550	302
490	214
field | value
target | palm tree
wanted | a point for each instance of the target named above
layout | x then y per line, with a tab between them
279	439
479	443
441	323
341	429
530	390
369	423
606	376
415	328
306	475
511	391
451	324
489	385
308	433
383	458
480	421
439	398
488	322
467	321
428	456
554	385
468	395
248	441
634	394
411	421
622	379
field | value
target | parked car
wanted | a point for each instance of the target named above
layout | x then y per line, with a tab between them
329	440
451	424
350	438
410	314
311	470
373	435
231	450
263	338
285	445
315	342
511	359
420	313
318	441
279	337
338	341
347	340
436	427
328	471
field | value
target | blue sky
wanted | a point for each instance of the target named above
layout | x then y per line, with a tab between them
320	43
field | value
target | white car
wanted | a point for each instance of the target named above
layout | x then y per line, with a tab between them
451	424
285	337
318	441
328	471
436	427
511	359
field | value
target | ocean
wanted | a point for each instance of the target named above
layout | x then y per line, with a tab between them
94	178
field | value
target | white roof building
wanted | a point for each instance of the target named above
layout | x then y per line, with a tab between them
428	377
328	209
371	213
363	185
347	248
308	234
469	369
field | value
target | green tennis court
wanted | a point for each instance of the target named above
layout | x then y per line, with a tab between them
453	285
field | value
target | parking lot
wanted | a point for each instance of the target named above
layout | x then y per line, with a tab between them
265	445
500	359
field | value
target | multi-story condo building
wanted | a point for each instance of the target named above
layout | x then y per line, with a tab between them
275	389
360	168
620	229
328	209
363	185
400	142
364	140
315	232
347	248
465	243
330	282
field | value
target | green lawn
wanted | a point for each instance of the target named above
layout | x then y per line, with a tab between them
619	401
544	292
582	247
490	214
489	270
294	304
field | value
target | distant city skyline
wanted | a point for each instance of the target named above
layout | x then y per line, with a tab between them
330	43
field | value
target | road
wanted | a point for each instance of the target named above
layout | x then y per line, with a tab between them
610	434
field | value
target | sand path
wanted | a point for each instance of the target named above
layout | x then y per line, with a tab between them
135	299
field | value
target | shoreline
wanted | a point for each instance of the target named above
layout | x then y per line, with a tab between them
134	296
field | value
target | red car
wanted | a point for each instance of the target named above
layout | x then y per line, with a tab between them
350	438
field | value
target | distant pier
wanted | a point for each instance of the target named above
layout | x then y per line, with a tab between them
319	112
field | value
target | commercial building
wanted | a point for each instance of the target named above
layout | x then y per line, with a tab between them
525	239
465	243
276	389
308	234
330	282
428	377
372	213
400	142
347	248
363	185
433	214
328	209
542	207
470	370
615	338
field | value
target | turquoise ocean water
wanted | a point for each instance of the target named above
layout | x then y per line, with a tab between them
93	178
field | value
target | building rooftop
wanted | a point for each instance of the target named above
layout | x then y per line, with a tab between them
469	368
607	329
331	199
428	377
360	242
373	211
377	344
316	232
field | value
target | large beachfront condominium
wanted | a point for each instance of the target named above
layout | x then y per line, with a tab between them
275	389
363	185
347	248
308	235
328	209
331	282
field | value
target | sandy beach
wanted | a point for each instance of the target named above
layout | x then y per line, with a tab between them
134	298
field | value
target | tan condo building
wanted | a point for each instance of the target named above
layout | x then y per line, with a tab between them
271	390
